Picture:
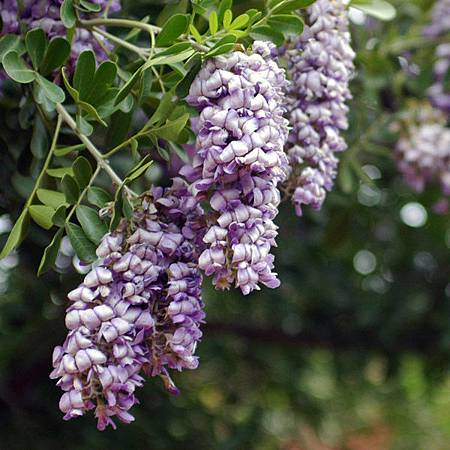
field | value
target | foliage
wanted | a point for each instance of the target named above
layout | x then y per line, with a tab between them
103	132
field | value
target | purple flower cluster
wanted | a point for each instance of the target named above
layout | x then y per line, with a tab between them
138	311
239	161
423	153
320	65
440	24
440	19
45	14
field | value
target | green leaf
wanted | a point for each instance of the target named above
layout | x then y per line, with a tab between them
90	7
58	51
104	77
254	15
379	9
70	189
59	218
117	210
40	98
184	85
17	69
288	23
266	33
91	112
171	129
227	39
83	171
42	215
50	253
225	48
170	59
271	3
39	144
238	33
84	126
145	87
139	169
72	91
17	234
67	13
118	129
128	86
91	223
172	29
213	23
163	110
175	49
60	172
51	198
84	73
170	9
227	18
98	197
63	151
240	22
223	6
126	105
127	208
195	33
291	5
10	42
83	247
36	43
51	90
162	152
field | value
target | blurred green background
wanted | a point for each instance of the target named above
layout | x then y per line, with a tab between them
352	352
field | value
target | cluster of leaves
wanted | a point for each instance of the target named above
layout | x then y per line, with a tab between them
103	98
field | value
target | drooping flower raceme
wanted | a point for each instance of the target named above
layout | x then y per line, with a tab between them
440	24
45	14
238	163
320	66
138	311
440	18
423	152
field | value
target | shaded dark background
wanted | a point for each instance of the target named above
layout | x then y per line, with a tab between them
352	352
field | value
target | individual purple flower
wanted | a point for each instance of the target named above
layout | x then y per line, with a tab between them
423	151
138	311
45	14
320	66
238	164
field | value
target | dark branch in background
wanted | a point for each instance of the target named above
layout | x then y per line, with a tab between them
355	340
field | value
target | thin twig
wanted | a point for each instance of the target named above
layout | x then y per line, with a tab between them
91	148
142	52
124	23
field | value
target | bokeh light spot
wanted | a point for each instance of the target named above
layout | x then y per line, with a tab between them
364	262
414	215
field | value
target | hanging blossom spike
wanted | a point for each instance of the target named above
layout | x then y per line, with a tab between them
423	150
439	25
320	66
137	312
45	14
238	164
